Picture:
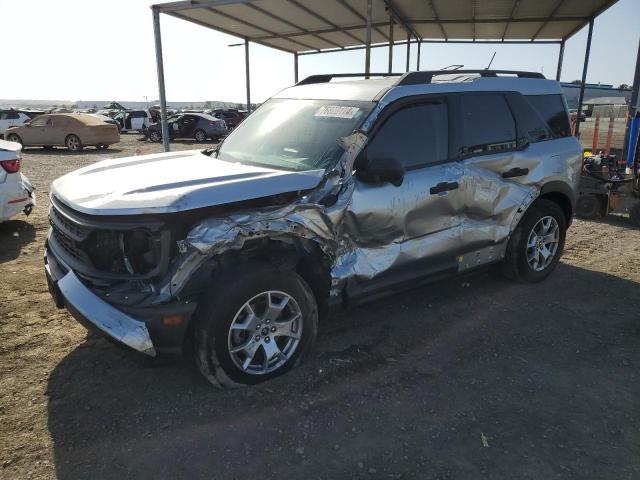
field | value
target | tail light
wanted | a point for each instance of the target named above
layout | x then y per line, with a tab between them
11	166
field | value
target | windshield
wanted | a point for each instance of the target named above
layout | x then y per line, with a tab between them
294	134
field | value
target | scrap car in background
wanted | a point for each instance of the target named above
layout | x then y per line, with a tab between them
231	117
198	126
16	192
73	130
11	118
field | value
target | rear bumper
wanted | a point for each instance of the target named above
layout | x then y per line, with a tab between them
16	197
139	328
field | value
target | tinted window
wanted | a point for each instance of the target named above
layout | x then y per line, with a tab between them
487	124
551	108
530	125
416	135
138	114
39	122
12	115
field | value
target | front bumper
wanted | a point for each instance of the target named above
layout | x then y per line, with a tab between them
139	328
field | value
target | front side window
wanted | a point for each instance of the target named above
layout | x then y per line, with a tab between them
294	134
487	124
416	136
552	110
39	122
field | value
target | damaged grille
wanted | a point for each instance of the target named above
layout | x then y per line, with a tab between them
110	248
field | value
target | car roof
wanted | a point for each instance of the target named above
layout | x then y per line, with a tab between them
389	89
86	118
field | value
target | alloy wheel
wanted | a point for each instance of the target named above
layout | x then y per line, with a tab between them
265	332
542	244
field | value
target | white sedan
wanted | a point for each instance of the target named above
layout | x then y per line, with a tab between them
16	192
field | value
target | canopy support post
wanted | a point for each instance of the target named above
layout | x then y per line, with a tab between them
160	67
367	60
408	49
418	60
560	58
634	111
246	67
584	77
295	67
390	44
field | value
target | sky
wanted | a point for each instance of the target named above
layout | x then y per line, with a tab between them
104	49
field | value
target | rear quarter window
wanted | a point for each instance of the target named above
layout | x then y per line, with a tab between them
552	110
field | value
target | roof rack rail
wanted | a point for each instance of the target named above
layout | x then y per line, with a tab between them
426	76
325	78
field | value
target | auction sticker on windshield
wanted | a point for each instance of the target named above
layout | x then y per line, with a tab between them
337	111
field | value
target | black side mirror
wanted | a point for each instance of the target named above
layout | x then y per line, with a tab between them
380	169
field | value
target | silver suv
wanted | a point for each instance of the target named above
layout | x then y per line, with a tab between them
328	195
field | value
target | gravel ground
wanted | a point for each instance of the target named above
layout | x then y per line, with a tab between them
471	377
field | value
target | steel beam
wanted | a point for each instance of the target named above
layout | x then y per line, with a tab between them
246	71
391	45
546	22
359	15
160	67
585	67
295	67
560	59
367	59
322	18
403	42
408	49
418	60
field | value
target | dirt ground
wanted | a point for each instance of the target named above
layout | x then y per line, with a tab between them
472	377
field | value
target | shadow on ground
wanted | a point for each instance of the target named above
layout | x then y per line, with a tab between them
14	235
65	151
466	378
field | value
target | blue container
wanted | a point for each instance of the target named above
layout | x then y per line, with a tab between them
633	139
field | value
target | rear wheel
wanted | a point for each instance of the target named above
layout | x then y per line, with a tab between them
200	135
536	245
155	136
12	137
73	143
588	206
256	323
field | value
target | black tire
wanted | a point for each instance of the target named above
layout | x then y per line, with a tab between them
73	143
224	301
155	136
200	135
13	137
588	206
634	214
515	265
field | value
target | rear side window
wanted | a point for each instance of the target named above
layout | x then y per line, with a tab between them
487	124
138	114
39	122
552	110
416	135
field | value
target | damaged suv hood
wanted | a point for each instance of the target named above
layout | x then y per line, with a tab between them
172	182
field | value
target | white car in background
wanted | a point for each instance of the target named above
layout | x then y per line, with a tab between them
11	118
16	192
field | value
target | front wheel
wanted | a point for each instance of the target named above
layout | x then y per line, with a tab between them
155	136
73	143
254	324
536	245
200	136
12	137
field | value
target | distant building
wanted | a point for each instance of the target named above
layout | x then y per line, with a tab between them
591	91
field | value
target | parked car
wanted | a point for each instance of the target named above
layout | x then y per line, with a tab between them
16	192
134	120
328	195
106	119
73	130
11	118
232	118
198	126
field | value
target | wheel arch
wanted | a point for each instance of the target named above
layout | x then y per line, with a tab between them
562	194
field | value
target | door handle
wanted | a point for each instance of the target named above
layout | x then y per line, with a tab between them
515	172
443	187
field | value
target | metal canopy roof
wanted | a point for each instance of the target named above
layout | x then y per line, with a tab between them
314	25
